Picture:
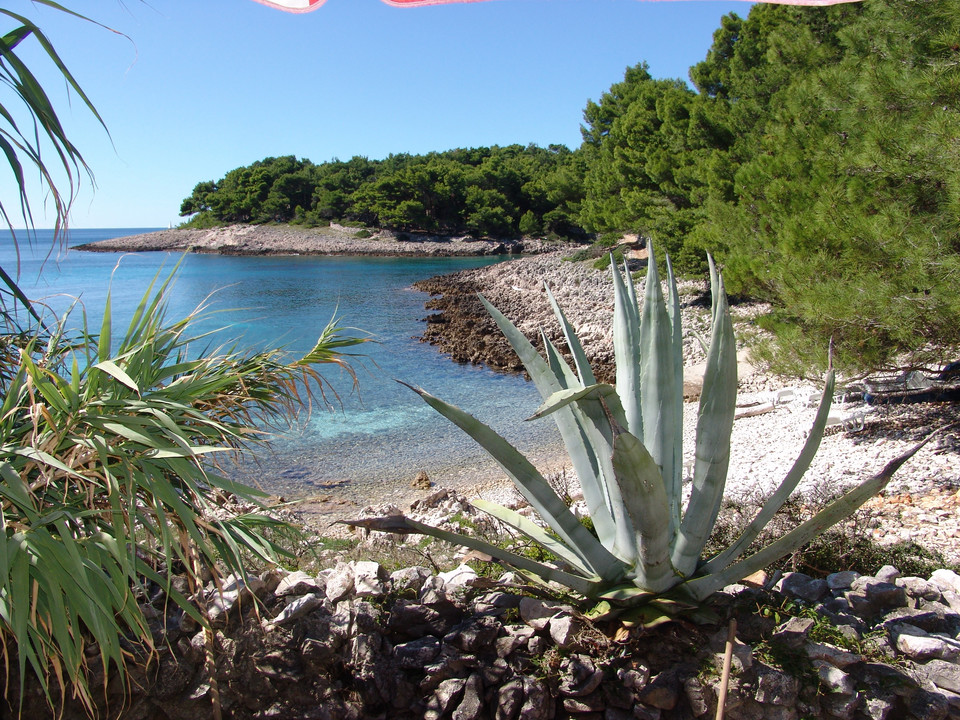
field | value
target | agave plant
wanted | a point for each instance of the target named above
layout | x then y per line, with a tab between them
107	481
625	445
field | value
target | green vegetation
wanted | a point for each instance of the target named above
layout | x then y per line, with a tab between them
109	484
625	444
496	191
817	160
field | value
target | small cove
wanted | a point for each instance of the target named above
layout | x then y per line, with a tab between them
371	443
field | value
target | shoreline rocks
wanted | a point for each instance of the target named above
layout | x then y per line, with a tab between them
462	328
332	240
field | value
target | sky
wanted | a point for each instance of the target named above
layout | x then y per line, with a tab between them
194	88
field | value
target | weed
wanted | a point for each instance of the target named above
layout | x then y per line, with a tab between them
462	521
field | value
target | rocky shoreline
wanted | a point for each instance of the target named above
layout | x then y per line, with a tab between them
293	240
462	328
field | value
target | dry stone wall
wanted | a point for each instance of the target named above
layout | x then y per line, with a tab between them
354	641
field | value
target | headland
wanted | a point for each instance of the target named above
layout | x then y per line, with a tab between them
295	240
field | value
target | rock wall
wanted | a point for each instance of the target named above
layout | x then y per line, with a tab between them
356	642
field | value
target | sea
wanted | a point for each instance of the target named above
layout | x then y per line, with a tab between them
368	441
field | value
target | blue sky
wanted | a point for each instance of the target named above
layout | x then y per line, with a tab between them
199	87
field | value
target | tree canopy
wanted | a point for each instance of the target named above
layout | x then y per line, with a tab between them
489	191
817	158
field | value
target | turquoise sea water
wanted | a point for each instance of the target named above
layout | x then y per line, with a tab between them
384	434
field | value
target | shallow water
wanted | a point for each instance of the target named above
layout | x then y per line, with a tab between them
376	439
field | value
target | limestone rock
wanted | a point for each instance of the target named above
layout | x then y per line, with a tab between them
834	679
830	654
297	583
459	577
888	573
662	692
917	587
946	580
775	687
471	706
447	696
296	610
416	653
564	630
803	587
921	647
579	676
340	582
509	700
841	580
538	613
367	580
411	578
793	633
943	674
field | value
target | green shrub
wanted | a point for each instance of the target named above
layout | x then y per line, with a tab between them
108	479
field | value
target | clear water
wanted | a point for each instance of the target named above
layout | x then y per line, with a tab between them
382	435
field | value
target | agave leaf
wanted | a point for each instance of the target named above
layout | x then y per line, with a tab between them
702	587
565	376
789	484
400	524
645	499
550	377
573	342
603	610
534	488
542	375
586	464
534	532
661	387
600	391
714	286
627	594
626	344
645	616
599	429
676	332
714	426
598	412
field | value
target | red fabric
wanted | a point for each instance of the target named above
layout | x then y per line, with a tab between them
299	6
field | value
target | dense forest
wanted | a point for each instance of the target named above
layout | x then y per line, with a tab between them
816	155
498	191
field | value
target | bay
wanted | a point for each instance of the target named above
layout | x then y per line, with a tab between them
371	442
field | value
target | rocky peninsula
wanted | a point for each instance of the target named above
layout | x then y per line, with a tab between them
296	240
